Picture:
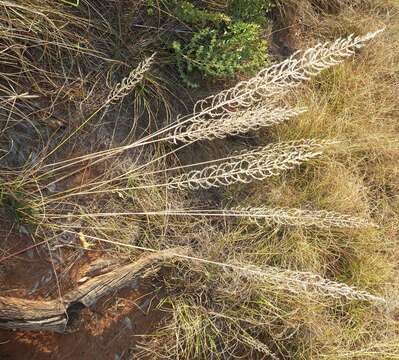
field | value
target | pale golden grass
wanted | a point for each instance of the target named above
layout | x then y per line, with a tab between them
356	103
217	309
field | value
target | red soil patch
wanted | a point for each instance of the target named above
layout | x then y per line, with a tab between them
109	331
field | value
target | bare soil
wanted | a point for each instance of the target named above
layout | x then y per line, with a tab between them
109	331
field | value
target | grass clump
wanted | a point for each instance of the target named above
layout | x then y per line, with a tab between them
296	260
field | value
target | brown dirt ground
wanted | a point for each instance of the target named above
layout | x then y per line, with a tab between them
110	331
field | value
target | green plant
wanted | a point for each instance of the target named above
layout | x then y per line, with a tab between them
187	13
18	210
220	44
190	14
235	50
250	10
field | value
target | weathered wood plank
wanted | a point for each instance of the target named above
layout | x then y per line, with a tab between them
57	316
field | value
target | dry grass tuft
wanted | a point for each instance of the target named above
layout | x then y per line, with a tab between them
265	277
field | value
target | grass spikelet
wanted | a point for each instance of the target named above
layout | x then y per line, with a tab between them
233	124
278	79
257	164
128	83
302	217
301	282
231	103
260	215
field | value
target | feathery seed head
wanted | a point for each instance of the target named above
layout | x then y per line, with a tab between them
276	80
233	124
256	164
302	217
301	282
129	83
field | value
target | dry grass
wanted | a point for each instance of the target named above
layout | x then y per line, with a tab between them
99	186
354	102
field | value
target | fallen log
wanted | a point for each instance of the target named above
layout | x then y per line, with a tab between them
59	316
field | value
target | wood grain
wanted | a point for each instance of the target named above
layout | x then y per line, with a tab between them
58	316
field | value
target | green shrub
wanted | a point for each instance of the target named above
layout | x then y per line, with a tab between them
188	13
250	10
237	49
219	45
